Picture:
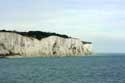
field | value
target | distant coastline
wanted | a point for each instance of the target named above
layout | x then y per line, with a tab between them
43	44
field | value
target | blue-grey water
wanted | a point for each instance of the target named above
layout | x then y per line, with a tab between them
105	68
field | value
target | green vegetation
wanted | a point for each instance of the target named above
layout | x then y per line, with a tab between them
40	34
85	42
37	34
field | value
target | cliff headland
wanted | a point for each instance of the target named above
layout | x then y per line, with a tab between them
44	44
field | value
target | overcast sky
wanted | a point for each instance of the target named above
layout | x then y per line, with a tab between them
99	21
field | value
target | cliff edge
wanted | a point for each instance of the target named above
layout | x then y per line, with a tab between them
36	43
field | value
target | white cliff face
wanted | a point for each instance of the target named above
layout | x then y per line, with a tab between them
16	44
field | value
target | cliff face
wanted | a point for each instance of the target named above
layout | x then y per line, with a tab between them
15	44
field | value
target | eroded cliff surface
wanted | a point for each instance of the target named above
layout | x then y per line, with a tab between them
12	43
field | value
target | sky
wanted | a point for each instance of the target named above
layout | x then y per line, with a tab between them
100	21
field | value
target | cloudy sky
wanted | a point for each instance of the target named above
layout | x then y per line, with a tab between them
99	21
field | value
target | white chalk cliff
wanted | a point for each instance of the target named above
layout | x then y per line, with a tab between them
16	44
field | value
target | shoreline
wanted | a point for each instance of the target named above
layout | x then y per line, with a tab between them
18	56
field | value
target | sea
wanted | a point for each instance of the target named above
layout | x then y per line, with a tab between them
99	68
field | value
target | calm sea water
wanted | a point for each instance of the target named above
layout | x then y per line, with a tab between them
91	69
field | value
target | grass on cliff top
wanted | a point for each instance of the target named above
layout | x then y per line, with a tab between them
40	35
37	34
